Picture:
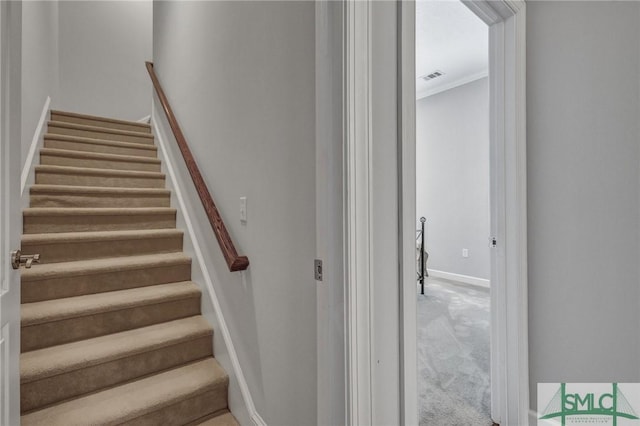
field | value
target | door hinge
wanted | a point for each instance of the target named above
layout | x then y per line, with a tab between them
493	243
317	269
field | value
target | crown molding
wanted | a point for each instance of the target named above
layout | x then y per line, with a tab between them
452	85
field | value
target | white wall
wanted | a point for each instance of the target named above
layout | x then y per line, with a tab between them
39	63
452	175
103	46
583	184
240	78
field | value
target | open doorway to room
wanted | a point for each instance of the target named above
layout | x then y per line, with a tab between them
453	215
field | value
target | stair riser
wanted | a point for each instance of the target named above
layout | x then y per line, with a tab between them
96	134
185	411
49	334
56	160
84	223
58	287
99	148
99	123
70	384
52	178
66	251
99	200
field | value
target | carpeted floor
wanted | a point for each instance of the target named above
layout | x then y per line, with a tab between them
453	355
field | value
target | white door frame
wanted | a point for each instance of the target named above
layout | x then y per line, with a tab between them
509	307
510	393
509	329
357	232
11	220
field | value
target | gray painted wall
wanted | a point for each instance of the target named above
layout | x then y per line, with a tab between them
583	184
103	46
385	365
331	368
88	56
452	177
240	77
39	64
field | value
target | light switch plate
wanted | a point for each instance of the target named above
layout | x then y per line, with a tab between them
243	209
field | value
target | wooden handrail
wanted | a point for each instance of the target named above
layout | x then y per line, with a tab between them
235	262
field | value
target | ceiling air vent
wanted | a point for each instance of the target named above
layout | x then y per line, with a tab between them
431	76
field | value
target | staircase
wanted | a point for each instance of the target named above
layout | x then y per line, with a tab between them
111	328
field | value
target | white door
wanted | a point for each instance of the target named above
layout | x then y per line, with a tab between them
10	218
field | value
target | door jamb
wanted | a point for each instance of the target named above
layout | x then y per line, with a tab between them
407	214
358	228
10	138
506	19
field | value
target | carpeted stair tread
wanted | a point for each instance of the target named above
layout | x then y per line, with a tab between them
66	157
62	128
69	237
84	144
69	246
74	117
96	196
63	124
40	220
68	279
70	170
47	362
96	211
70	189
80	306
99	235
61	372
226	419
59	321
96	177
84	267
100	155
136	402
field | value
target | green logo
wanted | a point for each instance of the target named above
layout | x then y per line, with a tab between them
568	405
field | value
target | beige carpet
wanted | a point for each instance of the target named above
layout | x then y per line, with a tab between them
454	386
111	328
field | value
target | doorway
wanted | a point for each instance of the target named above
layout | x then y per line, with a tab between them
508	317
452	206
370	347
452	215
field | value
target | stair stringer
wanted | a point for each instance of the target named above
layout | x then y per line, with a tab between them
240	398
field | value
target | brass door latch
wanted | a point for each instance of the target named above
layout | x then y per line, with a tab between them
17	259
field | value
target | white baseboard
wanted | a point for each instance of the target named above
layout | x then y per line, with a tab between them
199	262
258	420
475	281
28	175
146	119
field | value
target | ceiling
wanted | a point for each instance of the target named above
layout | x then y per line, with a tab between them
450	39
